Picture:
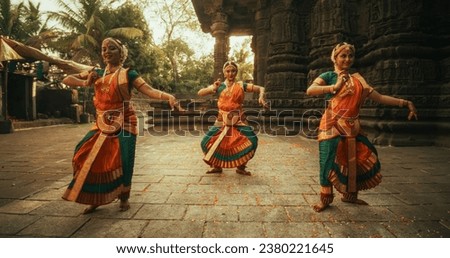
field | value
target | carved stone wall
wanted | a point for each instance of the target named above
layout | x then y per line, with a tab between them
287	55
403	50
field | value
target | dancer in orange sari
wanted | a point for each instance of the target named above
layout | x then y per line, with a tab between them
348	160
230	143
103	162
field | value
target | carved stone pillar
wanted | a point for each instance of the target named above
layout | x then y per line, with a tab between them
286	66
261	41
398	60
329	26
219	30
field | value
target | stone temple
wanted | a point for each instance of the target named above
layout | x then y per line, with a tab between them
402	49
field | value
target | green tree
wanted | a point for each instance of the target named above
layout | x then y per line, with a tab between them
197	74
36	34
23	23
85	30
242	56
10	23
176	15
142	56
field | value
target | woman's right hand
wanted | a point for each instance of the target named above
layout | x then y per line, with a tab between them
216	84
92	77
343	77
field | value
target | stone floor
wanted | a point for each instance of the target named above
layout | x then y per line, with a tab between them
173	197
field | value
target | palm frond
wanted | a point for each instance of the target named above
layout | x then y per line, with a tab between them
125	32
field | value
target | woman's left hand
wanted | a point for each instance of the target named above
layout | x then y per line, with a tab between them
263	102
412	111
175	104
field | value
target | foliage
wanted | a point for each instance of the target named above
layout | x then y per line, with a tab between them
198	74
37	32
83	24
176	15
10	22
86	30
141	53
241	55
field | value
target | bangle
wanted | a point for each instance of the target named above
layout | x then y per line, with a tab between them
333	91
160	95
403	103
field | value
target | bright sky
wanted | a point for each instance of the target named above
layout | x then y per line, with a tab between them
201	43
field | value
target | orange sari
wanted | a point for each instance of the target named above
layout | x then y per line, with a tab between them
109	175
239	144
348	160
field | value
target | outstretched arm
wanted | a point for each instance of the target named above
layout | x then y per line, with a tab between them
391	101
211	89
83	79
153	93
262	93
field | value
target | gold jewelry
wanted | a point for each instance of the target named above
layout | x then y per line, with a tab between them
402	103
229	89
333	91
105	89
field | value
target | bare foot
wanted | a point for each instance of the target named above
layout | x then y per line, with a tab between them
320	207
90	209
357	201
214	171
124	205
243	172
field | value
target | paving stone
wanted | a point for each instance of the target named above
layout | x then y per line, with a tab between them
12	224
149	197
423	198
367	213
47	195
172	196
51	226
280	199
111	228
433	212
296	230
307	214
358	230
236	199
212	213
418	229
173	229
59	208
263	213
234	230
21	206
158	211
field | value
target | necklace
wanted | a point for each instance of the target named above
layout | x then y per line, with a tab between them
349	87
229	89
105	88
